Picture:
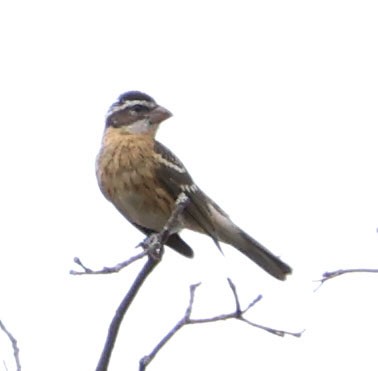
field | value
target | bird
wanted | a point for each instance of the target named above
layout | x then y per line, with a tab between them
142	178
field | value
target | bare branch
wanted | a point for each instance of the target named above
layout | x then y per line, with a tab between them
16	351
154	247
150	243
328	275
106	270
186	320
271	330
236	297
121	311
144	362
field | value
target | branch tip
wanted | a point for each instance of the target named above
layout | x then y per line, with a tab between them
238	310
16	350
329	275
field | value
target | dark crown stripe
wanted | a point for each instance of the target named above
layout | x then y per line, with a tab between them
135	95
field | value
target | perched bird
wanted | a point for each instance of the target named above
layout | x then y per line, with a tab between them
142	179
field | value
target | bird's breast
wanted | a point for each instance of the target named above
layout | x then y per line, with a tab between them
126	176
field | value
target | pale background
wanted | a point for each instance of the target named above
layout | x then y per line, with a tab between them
275	106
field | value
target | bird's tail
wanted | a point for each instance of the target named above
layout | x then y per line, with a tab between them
234	236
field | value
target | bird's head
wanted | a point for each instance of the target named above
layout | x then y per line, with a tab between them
136	113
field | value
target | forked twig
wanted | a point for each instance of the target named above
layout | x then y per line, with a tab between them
187	320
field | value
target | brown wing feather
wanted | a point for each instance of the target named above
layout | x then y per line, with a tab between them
176	180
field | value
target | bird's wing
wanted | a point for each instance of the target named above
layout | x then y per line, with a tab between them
209	218
173	175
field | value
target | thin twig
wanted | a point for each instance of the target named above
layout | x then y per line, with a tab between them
16	350
149	244
271	330
106	270
236	297
186	320
328	275
144	362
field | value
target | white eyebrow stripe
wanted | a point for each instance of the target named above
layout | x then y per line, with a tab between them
129	103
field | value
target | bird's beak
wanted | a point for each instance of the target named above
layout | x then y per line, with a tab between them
159	114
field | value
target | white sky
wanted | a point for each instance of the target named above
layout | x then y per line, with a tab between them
275	106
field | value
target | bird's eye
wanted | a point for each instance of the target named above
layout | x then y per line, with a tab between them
139	108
